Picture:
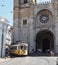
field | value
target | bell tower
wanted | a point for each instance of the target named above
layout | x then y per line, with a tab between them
23	11
22	17
16	9
18	4
55	6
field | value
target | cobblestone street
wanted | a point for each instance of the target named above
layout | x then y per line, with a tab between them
29	60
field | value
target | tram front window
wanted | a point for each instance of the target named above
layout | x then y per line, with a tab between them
25	47
18	47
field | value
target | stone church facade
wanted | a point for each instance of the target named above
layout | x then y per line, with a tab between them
36	24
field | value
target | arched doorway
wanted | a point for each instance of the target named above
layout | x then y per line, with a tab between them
44	41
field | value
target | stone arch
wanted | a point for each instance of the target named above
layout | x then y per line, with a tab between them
44	10
44	40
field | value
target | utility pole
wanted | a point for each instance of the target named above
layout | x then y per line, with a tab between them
2	39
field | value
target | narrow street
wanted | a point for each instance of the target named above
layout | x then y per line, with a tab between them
29	60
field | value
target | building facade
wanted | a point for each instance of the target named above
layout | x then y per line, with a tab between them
8	38
3	31
8	35
36	24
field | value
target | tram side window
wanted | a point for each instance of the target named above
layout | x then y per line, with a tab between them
21	47
13	48
25	47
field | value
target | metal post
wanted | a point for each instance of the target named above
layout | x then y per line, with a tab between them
2	39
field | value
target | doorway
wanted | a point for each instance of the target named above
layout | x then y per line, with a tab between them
44	41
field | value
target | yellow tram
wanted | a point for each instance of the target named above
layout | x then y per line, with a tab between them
19	49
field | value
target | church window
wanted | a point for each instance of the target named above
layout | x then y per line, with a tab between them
25	1
44	18
24	21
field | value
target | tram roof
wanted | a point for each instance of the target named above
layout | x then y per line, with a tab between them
19	44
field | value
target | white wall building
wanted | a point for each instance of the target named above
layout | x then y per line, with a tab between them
3	29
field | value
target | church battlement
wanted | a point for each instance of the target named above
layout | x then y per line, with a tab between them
44	3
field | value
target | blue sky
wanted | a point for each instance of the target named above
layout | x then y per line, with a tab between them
42	0
6	9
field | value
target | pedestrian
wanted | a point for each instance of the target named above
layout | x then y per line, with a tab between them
52	52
